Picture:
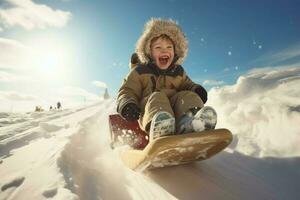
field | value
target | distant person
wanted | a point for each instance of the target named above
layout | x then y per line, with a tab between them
58	105
38	109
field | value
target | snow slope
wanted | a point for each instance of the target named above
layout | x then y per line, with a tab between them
66	154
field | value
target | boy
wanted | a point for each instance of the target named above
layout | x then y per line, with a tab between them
158	92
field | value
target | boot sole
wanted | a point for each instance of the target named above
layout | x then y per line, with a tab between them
209	116
162	127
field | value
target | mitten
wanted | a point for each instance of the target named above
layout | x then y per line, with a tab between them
131	112
202	93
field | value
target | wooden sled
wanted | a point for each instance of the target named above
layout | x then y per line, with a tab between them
169	150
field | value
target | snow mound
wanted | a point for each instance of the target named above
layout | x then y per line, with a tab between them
3	115
262	109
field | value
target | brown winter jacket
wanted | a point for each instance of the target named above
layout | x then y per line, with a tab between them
143	80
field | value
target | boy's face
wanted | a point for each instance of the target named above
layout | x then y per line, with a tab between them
162	52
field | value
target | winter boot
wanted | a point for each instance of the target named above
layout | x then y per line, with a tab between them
163	124
197	120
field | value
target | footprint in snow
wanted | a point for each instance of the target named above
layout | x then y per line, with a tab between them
14	183
50	193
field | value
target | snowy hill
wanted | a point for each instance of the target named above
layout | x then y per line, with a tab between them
66	155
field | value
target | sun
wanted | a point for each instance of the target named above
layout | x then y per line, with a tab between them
50	63
51	59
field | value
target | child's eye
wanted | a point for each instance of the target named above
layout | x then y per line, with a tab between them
170	47
157	47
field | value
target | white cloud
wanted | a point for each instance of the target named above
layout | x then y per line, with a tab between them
12	77
69	96
29	15
70	91
17	96
283	55
227	69
44	59
99	84
14	55
262	110
15	101
213	82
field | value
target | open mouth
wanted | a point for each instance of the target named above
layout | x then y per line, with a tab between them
163	60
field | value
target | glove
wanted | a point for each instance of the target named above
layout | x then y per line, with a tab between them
202	93
131	112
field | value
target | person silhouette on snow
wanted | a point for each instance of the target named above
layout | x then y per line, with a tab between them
58	105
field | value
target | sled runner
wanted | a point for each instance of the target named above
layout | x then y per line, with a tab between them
164	151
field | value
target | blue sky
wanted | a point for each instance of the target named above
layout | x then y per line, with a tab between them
226	38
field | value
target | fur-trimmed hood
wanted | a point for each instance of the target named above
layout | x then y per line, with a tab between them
156	27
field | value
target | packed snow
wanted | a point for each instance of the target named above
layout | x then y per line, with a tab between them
66	154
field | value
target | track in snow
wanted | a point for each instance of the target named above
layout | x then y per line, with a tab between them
93	171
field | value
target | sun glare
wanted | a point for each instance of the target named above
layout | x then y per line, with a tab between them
50	64
51	60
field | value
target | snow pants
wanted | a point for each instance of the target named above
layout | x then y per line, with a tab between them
177	105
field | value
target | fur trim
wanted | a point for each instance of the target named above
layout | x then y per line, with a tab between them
156	27
131	65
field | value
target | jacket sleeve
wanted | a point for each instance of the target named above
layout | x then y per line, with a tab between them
130	91
188	84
